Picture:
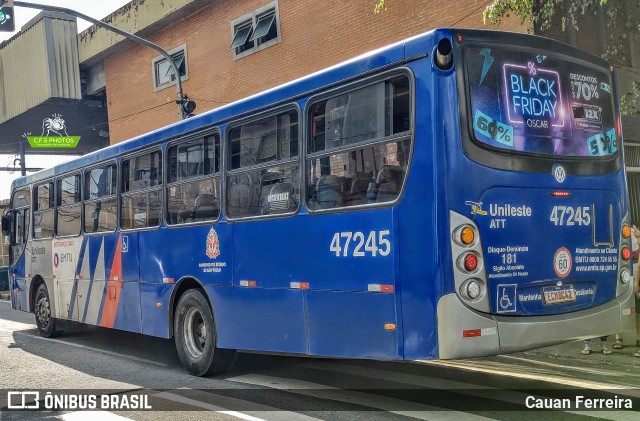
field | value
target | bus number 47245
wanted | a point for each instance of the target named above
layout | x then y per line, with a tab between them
570	216
353	243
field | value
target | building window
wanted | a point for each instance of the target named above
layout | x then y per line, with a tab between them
255	31
163	73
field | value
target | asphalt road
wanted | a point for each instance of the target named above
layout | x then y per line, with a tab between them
98	362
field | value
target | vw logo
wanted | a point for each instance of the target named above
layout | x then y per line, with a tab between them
559	283
559	173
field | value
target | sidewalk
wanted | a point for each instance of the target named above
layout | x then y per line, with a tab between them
565	360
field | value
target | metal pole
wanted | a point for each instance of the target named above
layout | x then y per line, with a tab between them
127	35
23	169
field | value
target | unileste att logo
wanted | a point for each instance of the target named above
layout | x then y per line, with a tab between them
476	207
213	244
23	400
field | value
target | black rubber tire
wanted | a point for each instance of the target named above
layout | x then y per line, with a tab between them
47	324
196	338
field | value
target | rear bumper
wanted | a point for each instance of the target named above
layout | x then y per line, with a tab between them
500	334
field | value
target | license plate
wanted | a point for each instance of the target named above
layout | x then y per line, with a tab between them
558	295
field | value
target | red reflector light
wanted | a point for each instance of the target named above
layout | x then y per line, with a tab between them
470	262
560	193
625	253
471	333
619	125
459	38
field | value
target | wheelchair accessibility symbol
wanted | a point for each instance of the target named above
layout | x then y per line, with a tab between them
507	298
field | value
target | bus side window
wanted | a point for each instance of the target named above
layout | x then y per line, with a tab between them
21	229
43	213
141	204
193	182
100	207
254	189
373	169
68	213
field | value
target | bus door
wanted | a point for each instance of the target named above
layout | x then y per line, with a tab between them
20	261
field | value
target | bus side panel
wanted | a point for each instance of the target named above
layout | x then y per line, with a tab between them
352	324
121	308
39	262
167	255
418	224
203	252
352	278
67	255
94	273
155	319
260	319
19	294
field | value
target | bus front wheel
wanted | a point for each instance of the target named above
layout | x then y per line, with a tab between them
196	339
44	319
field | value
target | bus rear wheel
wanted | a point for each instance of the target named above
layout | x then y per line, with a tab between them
196	339
44	319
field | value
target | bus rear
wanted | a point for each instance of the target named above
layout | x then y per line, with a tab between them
539	223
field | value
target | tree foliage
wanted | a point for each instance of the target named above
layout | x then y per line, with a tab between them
381	6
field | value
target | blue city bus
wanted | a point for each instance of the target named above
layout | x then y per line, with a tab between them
457	194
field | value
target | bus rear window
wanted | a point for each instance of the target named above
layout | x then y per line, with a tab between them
539	102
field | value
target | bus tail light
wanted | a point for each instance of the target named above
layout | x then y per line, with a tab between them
625	253
560	193
468	262
464	236
472	289
467	258
626	231
467	236
625	276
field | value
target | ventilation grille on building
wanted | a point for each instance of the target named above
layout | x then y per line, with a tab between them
632	155
633	180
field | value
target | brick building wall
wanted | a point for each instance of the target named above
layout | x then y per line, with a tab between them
314	35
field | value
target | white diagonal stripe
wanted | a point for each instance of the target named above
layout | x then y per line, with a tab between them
410	409
97	289
92	415
220	403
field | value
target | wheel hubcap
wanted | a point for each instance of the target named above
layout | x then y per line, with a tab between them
195	332
43	312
